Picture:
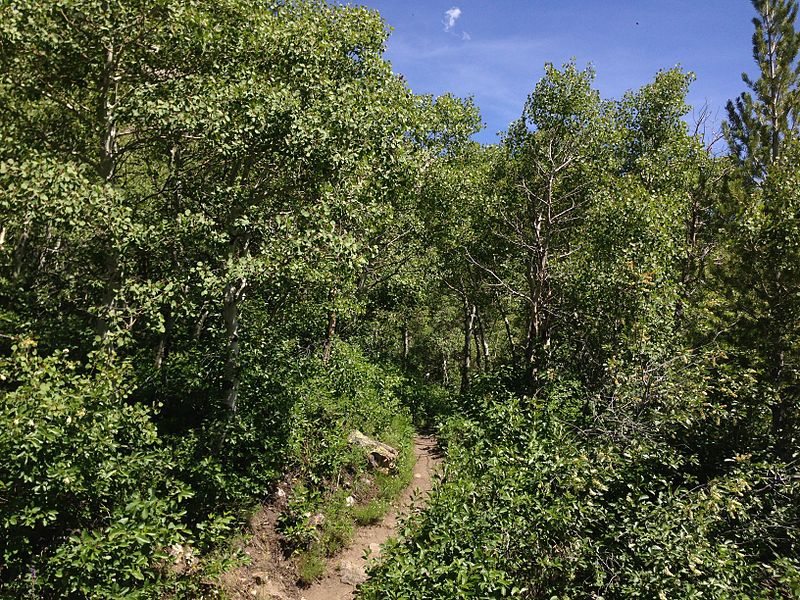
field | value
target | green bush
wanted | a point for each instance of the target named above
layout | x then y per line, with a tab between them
532	507
350	393
88	507
429	403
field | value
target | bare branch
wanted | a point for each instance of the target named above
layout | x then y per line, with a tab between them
497	278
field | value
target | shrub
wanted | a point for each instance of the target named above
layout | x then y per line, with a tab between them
531	507
347	394
88	507
351	393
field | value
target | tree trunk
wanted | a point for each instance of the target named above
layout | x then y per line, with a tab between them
106	109
234	294
109	301
482	341
406	343
106	168
478	353
537	339
512	345
469	322
162	349
200	325
19	251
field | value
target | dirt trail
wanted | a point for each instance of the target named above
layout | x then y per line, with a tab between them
270	576
347	569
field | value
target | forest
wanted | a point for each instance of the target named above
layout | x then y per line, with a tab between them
231	235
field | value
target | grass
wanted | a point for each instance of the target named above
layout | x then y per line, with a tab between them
341	519
370	513
310	568
337	531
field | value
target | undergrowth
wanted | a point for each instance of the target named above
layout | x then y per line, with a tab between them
531	508
319	525
334	489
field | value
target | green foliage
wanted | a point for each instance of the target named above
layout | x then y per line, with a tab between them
237	236
762	259
529	506
428	403
90	503
760	122
650	454
352	394
193	191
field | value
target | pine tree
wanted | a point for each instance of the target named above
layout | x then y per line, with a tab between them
759	122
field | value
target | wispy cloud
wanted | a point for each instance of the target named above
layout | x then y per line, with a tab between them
450	18
465	36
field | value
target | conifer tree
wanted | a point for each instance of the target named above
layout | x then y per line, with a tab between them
759	122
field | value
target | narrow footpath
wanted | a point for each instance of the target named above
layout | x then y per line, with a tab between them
270	576
348	569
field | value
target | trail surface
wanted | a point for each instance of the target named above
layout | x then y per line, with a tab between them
348	569
270	575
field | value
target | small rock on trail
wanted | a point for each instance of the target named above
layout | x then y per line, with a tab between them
351	574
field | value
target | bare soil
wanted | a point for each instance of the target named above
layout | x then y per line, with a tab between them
272	576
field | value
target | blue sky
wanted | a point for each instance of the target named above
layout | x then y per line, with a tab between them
494	50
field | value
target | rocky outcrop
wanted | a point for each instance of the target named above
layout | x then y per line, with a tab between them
381	457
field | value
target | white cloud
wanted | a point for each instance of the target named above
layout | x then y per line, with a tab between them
450	18
465	36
